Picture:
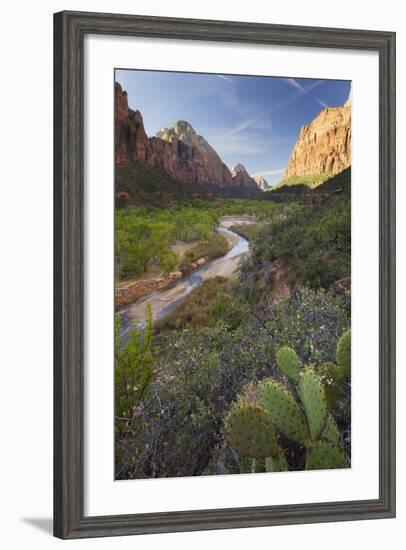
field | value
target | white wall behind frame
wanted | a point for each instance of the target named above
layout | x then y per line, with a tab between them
26	348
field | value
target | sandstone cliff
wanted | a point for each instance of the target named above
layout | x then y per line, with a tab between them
131	141
262	183
241	177
198	153
178	150
324	146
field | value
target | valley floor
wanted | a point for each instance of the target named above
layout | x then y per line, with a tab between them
210	339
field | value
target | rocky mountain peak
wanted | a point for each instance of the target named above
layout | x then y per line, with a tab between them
237	168
184	131
262	183
241	176
178	150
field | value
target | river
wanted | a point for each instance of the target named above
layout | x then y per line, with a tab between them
165	300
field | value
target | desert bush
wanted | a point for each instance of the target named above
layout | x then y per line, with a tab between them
200	372
310	322
313	241
213	247
133	371
205	306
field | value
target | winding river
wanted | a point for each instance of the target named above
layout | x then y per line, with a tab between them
164	301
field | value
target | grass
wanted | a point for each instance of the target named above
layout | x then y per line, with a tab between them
217	245
203	307
248	231
310	181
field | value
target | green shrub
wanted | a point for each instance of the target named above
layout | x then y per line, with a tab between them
300	415
133	370
215	246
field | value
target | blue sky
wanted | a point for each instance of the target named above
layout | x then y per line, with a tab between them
253	120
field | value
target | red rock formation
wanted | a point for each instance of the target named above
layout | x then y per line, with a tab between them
131	141
177	150
241	177
262	183
197	153
323	147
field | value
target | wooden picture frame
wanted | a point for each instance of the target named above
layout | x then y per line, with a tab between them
70	30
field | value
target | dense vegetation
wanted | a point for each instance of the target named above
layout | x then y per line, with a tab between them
208	303
310	187
312	241
144	236
310	181
177	382
140	184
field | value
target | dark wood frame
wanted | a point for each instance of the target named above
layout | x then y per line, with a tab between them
69	31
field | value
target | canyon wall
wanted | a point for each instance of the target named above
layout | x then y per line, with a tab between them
178	150
241	177
324	146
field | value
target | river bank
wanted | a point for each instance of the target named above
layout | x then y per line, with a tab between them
162	301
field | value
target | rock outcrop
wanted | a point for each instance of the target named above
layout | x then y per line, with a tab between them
131	141
178	150
324	146
241	178
262	183
198	153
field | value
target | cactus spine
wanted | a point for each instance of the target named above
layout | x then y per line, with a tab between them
322	455
250	429
285	412
344	353
251	433
289	363
313	398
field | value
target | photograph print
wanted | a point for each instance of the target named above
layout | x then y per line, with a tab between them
232	274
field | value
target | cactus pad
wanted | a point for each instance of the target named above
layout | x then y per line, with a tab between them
324	456
285	412
289	363
250	432
276	464
331	376
314	401
331	432
344	353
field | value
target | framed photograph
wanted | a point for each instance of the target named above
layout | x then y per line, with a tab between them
224	275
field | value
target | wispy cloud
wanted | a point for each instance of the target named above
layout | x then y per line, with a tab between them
300	92
321	102
227	78
295	84
260	122
270	172
235	145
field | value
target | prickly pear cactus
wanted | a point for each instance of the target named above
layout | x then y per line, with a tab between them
289	363
344	353
331	432
331	376
285	412
322	455
312	394
276	464
250	431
